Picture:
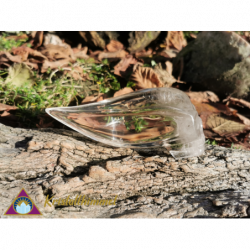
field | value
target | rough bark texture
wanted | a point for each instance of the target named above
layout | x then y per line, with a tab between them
149	183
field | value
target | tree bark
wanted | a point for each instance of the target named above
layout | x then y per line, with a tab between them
148	183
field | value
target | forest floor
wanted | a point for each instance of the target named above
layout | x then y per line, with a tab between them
40	69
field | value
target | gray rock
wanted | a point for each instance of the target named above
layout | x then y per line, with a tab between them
219	62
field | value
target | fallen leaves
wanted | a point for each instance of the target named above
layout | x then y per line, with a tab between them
54	65
238	102
225	123
205	96
20	75
175	39
57	52
219	121
245	120
25	52
166	78
225	127
114	50
4	107
81	53
37	38
7	59
91	99
123	91
114	46
116	54
125	66
49	56
145	78
241	104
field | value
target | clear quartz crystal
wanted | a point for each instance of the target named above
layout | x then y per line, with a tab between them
158	117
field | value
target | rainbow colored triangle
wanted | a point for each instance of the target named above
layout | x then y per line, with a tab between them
23	205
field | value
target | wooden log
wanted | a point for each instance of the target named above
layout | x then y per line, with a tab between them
145	183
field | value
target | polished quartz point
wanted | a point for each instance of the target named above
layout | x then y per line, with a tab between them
158	117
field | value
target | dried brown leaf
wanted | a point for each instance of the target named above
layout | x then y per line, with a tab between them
90	99
166	78
224	126
144	53
37	38
54	65
116	54
168	53
245	120
4	107
205	96
145	78
24	52
220	119
123	91
95	53
175	39
114	45
56	52
36	54
81	53
7	57
125	66
209	134
239	102
211	108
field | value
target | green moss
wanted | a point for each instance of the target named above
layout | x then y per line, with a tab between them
187	34
55	89
8	44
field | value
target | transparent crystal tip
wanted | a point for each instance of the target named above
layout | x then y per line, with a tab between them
159	117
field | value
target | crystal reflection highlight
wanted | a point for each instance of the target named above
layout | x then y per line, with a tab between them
146	118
